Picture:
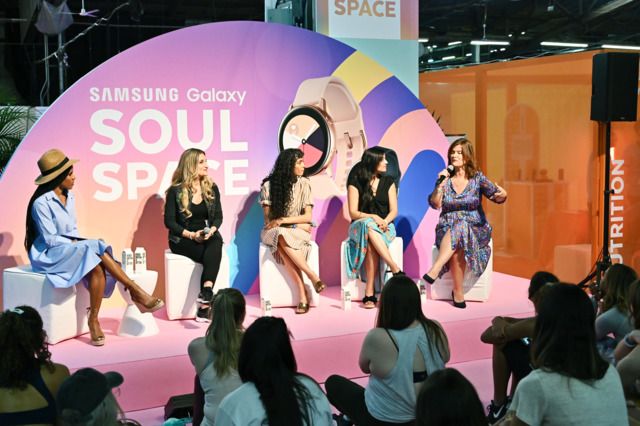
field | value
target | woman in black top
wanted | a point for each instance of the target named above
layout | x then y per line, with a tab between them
373	205
193	214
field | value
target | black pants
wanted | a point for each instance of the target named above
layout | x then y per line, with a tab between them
208	253
517	354
348	398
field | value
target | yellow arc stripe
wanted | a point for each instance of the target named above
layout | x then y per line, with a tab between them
361	74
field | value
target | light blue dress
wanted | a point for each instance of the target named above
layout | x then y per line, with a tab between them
65	263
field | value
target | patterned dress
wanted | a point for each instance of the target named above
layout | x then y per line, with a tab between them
296	238
463	215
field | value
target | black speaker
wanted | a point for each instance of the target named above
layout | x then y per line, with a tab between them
179	406
614	87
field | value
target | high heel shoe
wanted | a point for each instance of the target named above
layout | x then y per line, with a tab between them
460	305
428	279
302	307
152	305
97	336
319	286
369	302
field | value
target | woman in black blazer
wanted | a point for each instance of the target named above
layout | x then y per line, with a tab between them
193	214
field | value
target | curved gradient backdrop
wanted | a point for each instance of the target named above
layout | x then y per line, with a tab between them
224	88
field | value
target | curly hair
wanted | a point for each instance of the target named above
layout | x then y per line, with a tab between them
186	173
31	232
24	346
281	180
468	155
364	172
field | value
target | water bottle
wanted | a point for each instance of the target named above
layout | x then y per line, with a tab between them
141	259
127	260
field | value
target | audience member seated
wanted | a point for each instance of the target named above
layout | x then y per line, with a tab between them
447	398
399	354
215	356
28	379
511	339
273	392
627	353
613	309
85	399
571	384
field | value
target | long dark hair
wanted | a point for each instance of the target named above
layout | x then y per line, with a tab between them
31	232
364	172
615	286
400	305
24	346
281	180
267	360
447	398
224	335
564	338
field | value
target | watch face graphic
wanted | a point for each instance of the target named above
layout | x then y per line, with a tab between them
306	129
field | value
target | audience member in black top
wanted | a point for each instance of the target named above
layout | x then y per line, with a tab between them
28	379
373	205
447	398
511	340
193	214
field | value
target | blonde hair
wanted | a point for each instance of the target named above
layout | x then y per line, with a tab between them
224	335
186	173
468	155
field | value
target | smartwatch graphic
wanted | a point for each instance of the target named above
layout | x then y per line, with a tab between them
325	123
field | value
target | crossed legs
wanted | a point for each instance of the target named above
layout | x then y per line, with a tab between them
376	249
97	282
457	266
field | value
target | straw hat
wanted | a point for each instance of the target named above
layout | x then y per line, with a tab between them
52	164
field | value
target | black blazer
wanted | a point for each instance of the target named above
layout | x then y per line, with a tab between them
176	221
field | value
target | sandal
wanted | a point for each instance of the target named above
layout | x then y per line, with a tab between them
302	308
97	336
319	286
370	302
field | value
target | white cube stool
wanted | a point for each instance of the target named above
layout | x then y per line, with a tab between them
475	288
63	310
182	283
277	287
355	286
135	323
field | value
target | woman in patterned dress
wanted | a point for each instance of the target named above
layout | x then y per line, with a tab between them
462	232
373	205
56	249
286	202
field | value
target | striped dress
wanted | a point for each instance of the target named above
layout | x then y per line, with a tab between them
296	238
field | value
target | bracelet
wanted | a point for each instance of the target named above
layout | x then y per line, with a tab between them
629	342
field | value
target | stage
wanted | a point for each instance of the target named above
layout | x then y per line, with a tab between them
326	341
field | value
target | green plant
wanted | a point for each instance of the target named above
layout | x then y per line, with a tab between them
14	122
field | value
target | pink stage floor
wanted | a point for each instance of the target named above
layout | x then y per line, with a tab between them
326	341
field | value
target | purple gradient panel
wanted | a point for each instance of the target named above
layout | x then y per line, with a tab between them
385	104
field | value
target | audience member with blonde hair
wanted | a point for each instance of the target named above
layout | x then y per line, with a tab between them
215	356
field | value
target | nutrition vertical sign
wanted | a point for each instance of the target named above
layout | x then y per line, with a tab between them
368	19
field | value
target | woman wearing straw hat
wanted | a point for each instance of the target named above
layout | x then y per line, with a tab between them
56	249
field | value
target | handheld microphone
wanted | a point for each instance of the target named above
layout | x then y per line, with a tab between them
450	170
206	229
